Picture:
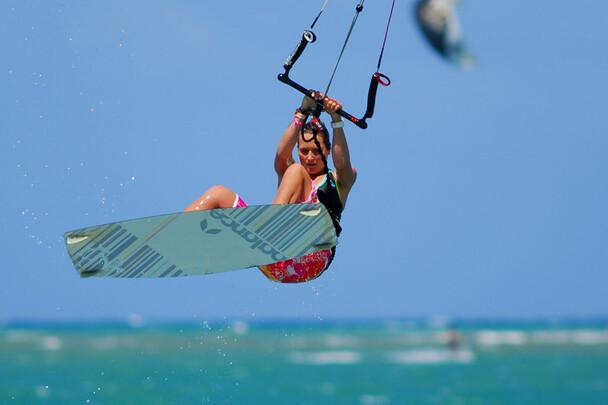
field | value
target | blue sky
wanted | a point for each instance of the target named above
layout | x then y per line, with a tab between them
480	193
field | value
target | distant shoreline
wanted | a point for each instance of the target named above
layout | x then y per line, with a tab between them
433	323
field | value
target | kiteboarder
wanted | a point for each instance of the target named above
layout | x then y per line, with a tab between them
308	180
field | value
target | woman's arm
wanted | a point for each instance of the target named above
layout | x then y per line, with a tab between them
284	157
345	172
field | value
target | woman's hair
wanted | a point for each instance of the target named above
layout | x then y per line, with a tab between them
309	127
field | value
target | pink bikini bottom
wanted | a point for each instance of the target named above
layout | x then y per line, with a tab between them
297	270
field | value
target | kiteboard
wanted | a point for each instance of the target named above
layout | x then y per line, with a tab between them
200	242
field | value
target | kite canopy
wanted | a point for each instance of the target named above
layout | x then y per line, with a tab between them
439	24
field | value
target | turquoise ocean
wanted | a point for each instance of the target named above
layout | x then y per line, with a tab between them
375	362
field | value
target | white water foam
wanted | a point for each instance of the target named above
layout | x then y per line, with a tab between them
590	337
51	343
325	357
432	356
491	338
581	337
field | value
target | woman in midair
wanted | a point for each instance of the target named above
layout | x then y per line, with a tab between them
308	181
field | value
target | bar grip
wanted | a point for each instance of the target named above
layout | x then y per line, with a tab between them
377	78
284	77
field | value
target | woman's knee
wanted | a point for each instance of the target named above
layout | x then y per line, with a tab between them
296	170
218	190
223	196
215	197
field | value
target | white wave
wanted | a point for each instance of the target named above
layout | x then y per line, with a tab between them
497	338
47	342
432	356
550	337
325	358
51	343
590	337
554	337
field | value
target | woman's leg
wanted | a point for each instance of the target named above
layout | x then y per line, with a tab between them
215	197
295	186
